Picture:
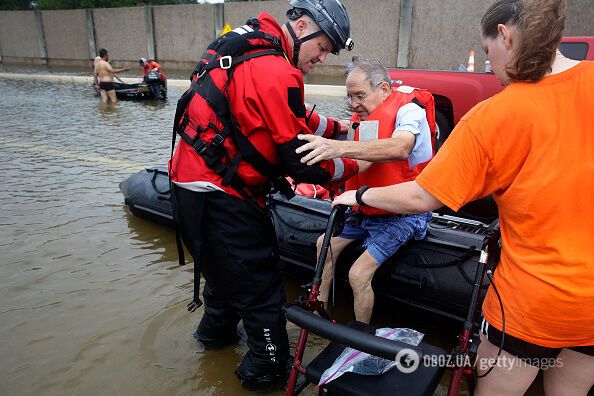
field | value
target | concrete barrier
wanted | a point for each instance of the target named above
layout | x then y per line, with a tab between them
429	34
310	89
182	32
122	31
18	37
66	37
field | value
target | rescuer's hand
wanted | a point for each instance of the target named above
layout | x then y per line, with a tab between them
344	126
363	165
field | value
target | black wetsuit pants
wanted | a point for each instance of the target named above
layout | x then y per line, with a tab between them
239	253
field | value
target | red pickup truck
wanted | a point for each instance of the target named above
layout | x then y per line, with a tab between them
457	92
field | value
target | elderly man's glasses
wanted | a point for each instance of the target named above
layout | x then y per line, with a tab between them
358	99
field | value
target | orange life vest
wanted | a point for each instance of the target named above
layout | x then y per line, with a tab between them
382	174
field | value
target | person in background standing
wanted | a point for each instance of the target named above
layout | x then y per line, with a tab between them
104	75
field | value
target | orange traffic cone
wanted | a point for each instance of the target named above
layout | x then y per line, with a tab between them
470	66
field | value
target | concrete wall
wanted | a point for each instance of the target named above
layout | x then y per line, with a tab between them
183	32
580	18
122	31
381	16
374	29
442	32
66	36
18	37
237	13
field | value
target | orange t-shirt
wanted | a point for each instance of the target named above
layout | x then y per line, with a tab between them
532	147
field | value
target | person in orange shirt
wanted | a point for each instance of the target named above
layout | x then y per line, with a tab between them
532	147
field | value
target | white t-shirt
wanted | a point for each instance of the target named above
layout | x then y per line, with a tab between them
411	117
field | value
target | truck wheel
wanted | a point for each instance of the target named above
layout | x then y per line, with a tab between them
443	130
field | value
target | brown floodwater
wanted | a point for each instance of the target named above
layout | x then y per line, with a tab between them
92	301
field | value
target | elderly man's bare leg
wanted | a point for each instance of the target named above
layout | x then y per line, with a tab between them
337	245
360	277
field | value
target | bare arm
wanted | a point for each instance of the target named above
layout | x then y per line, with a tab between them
404	198
119	70
395	149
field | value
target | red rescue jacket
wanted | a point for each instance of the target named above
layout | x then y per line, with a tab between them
265	96
153	65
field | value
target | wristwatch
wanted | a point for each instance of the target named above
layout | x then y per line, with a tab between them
359	195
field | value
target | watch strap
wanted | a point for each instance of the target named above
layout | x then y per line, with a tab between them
359	195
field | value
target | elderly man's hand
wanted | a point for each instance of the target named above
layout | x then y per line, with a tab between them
346	198
321	149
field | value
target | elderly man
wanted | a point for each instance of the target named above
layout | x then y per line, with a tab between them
389	128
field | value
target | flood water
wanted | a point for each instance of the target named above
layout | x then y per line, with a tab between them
92	301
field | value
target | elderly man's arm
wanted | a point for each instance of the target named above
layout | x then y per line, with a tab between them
395	149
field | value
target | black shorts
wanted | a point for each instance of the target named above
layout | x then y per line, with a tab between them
106	86
533	354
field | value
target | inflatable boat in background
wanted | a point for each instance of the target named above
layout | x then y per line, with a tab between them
138	91
435	274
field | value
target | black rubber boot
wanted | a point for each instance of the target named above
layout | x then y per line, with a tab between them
218	326
257	376
220	341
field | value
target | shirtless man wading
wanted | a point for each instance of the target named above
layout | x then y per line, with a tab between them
104	75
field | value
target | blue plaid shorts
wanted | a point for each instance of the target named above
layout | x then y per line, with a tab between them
384	235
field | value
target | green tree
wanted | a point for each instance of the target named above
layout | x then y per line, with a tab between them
15	5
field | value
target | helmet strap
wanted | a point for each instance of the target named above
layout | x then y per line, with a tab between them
297	42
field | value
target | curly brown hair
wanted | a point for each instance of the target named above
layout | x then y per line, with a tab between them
540	24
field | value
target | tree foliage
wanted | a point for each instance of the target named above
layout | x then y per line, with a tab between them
15	5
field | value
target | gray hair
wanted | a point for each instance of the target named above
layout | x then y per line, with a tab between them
374	71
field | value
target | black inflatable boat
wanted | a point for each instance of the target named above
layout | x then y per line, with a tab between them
434	274
138	91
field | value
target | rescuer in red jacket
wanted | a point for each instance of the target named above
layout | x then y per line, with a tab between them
238	124
153	75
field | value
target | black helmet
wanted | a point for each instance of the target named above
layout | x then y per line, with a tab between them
330	16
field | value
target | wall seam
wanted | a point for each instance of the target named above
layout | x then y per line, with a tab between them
404	33
41	37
